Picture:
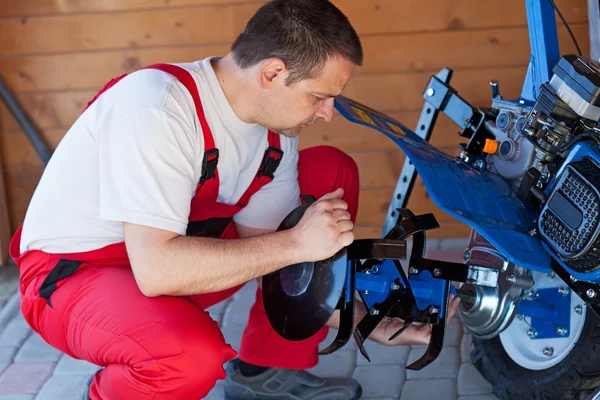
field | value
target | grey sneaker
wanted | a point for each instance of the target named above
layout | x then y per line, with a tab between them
286	384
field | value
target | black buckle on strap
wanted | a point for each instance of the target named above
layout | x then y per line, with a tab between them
270	162
209	164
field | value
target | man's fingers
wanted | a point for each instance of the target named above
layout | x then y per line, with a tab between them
345	225
337	194
340	215
346	238
453	307
332	204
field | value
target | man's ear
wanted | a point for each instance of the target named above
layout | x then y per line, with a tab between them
272	71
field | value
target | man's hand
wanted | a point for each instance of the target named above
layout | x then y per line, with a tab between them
415	334
325	228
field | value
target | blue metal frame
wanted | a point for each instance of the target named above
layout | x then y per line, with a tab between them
543	40
478	199
549	311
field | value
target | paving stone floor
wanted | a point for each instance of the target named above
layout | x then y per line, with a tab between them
32	370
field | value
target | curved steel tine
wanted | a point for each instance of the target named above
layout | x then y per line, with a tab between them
346	315
437	338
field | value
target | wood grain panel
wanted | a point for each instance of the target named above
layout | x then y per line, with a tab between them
446	230
5	223
367	17
17	151
47	110
221	24
383	54
459	49
20	185
127	30
374	203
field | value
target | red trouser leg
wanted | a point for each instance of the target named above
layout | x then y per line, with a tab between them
321	170
151	348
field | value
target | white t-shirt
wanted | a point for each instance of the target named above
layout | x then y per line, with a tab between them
135	155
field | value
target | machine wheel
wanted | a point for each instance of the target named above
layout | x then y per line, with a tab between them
517	373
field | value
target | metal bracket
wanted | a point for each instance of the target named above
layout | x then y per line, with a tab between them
408	175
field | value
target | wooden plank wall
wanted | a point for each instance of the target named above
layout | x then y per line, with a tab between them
56	53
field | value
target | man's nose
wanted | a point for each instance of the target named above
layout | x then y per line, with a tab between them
326	110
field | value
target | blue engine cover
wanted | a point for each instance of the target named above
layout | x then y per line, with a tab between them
479	199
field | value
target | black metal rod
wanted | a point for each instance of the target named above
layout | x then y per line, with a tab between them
32	132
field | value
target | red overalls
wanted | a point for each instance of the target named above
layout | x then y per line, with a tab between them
88	304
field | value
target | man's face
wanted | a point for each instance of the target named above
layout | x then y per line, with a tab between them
287	109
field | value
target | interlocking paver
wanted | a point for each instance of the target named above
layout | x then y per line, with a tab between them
380	380
217	392
445	366
438	389
216	312
454	333
15	333
6	356
63	387
25	378
331	334
465	348
71	366
35	349
237	311
383	355
471	382
340	363
233	335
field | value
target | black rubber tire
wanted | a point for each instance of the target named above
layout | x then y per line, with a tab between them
579	371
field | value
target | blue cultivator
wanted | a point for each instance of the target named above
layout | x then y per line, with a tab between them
527	181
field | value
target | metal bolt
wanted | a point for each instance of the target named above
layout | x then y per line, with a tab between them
532	333
552	275
591	293
466	255
533	232
434	310
430	92
520	317
374	311
562	331
437	272
533	294
563	291
521	101
579	309
413	270
478	164
394	286
549	351
511	278
366	292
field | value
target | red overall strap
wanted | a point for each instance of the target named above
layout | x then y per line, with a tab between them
204	207
211	154
270	162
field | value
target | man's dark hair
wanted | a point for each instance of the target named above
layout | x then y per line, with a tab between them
302	33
